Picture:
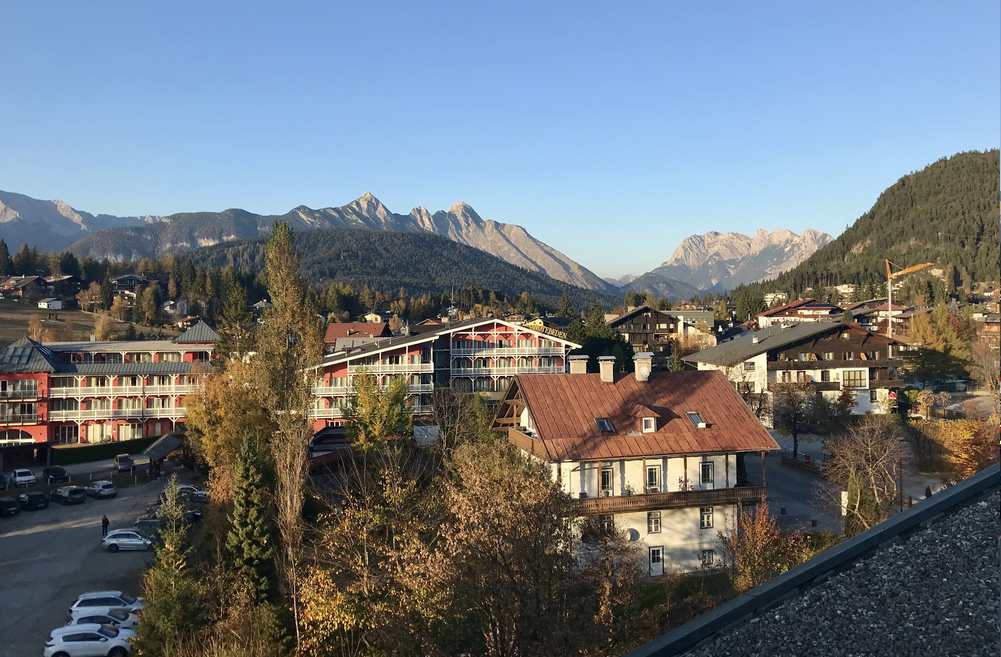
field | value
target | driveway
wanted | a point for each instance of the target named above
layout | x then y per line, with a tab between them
794	495
50	556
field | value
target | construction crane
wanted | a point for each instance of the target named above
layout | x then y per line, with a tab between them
892	276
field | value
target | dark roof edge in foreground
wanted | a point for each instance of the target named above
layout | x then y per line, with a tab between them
803	576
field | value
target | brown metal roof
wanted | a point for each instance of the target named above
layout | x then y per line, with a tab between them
564	408
356	329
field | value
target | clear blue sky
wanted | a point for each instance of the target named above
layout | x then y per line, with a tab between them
609	130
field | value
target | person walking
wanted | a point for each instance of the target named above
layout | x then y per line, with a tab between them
104	526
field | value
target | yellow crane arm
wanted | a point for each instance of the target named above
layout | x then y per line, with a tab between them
907	270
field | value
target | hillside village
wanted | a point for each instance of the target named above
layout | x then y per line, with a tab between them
708	443
713	368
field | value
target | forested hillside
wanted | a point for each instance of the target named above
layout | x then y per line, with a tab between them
947	213
417	262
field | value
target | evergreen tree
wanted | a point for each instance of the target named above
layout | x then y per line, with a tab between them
69	265
6	267
249	541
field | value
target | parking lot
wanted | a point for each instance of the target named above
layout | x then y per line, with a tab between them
49	556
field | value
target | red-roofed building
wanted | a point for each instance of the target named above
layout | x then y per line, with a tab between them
800	310
352	334
657	455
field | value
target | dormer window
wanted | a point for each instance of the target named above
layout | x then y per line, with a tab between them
649	424
604	425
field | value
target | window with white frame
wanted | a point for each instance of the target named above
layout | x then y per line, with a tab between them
653	522
649	424
653	478
748	365
706	517
708	558
606	480
708	470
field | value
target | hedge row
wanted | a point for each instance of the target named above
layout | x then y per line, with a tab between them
69	455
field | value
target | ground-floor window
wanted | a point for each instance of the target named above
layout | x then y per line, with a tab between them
653	522
66	434
708	558
873	397
656	561
99	433
706	517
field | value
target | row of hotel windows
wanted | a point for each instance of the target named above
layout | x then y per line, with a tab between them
104	403
831	355
123	380
348	381
501	342
523	361
103	432
134	357
849	378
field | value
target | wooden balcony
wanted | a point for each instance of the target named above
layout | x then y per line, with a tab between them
831	364
673	500
822	386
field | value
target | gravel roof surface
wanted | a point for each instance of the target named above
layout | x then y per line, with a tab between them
934	593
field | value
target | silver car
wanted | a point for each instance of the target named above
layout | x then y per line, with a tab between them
102	488
125	539
123	618
101	602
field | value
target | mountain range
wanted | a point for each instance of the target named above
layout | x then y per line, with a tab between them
708	262
721	261
54	225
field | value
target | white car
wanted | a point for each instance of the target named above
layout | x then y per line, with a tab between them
101	602
125	539
101	488
90	640
22	477
193	491
122	618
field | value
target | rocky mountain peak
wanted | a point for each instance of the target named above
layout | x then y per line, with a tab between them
368	205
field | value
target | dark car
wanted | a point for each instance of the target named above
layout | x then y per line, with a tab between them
124	463
55	475
33	500
9	506
69	495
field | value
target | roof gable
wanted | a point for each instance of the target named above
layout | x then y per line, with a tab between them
199	333
564	408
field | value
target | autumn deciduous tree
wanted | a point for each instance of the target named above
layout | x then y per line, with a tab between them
865	461
220	417
289	344
794	411
756	551
509	549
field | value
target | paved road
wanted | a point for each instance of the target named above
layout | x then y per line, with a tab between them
50	556
795	491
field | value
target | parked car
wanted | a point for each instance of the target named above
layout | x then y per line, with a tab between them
33	500
101	602
55	475
102	488
193	492
22	477
69	495
114	617
90	640
192	512
9	506
125	539
149	526
124	463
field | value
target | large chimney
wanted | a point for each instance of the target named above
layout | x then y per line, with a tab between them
606	365
578	363
642	365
